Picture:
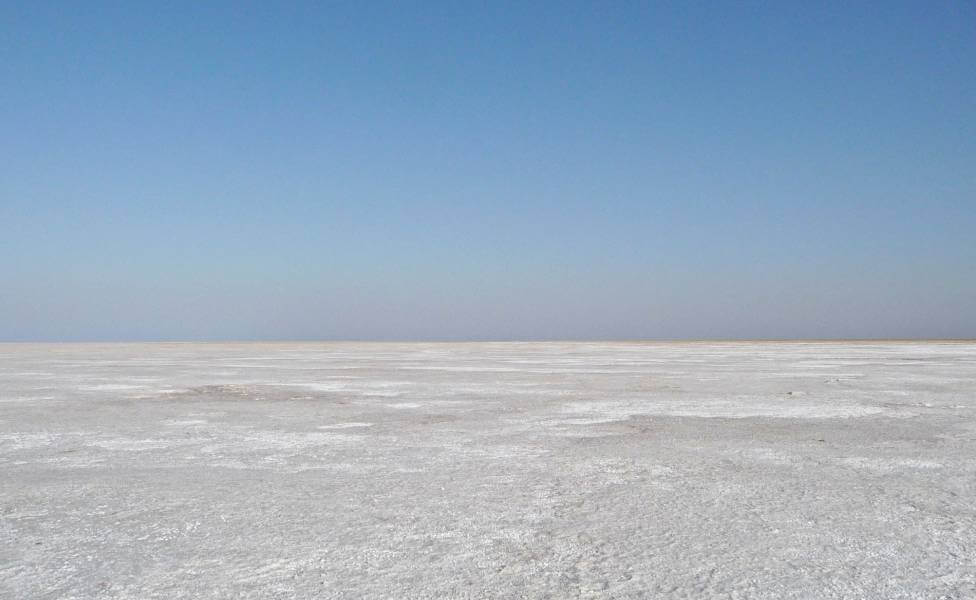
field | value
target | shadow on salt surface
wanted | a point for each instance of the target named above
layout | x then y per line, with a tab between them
727	409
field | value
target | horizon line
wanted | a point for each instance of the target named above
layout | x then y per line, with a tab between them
494	341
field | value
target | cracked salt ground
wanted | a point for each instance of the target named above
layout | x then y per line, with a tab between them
691	470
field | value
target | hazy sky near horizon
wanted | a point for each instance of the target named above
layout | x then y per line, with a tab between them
238	170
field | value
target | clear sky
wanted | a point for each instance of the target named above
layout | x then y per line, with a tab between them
289	170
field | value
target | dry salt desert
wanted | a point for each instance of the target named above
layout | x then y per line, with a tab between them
501	470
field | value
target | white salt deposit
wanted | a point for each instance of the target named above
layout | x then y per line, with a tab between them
550	470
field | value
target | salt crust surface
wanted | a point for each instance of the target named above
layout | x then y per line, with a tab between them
501	470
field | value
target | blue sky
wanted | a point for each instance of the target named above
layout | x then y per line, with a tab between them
487	170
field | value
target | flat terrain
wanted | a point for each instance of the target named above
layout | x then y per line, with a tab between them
504	470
